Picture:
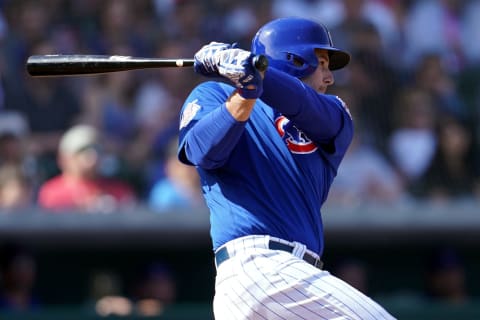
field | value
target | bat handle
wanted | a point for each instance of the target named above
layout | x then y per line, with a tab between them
260	62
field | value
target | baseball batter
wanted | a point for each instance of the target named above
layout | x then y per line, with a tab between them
267	146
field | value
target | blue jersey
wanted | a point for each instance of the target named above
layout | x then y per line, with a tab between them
270	174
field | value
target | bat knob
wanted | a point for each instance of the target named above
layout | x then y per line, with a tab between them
260	62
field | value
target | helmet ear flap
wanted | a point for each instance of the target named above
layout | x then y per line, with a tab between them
297	61
305	62
294	64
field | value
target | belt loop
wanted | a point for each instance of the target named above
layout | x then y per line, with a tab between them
319	264
299	249
266	241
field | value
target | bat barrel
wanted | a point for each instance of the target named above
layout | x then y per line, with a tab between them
51	65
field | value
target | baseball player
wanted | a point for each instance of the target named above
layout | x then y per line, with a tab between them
267	146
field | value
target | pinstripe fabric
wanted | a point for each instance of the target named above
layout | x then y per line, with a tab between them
258	283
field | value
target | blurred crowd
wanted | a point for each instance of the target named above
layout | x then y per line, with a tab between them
150	289
107	142
443	277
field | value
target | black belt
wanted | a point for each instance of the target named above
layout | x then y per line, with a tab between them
222	254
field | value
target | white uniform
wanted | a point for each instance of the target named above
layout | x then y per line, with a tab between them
255	282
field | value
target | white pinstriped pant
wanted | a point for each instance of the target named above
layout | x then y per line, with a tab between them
259	283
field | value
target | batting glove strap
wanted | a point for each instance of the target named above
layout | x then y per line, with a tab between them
236	66
251	93
206	60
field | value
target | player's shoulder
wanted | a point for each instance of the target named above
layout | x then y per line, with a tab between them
52	189
339	103
53	184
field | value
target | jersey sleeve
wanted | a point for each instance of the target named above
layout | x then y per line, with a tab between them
334	149
208	132
320	116
324	118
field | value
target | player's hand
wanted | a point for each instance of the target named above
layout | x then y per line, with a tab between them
223	59
206	61
236	65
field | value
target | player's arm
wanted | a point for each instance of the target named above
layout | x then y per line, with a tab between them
239	107
320	116
208	138
210	141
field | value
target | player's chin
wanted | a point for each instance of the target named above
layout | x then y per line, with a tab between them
322	90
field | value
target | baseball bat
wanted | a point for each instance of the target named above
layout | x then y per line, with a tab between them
78	64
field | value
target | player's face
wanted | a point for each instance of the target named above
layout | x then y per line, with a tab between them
322	77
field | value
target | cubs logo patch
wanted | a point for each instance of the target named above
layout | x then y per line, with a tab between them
189	113
296	140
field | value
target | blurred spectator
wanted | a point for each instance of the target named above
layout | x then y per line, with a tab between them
358	13
14	133
433	26
17	279
450	173
176	81
236	21
108	105
3	25
16	194
374	82
471	30
157	102
20	166
413	140
183	23
155	290
446	277
156	117
80	187
365	177
432	75
179	188
49	105
117	25
330	12
105	295
28	23
354	272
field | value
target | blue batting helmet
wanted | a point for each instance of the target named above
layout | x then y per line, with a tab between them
290	43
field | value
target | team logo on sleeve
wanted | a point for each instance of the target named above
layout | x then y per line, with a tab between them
296	140
189	113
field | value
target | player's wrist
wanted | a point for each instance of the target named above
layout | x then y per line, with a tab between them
239	107
250	93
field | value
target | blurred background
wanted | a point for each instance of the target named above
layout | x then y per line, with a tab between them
98	218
